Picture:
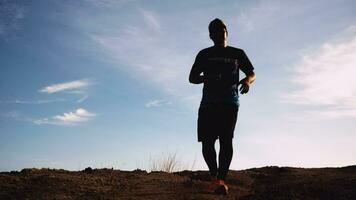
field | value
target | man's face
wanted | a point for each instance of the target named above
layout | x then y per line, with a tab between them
219	36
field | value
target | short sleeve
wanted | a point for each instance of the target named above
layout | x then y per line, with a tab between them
198	63
245	64
197	69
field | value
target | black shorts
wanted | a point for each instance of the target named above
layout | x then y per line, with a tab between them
216	121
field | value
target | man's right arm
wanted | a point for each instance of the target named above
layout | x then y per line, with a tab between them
195	73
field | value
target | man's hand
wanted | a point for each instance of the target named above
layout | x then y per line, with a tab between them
245	85
246	82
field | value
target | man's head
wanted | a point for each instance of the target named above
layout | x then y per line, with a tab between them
218	32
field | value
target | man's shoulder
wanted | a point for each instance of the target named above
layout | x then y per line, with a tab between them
230	50
228	47
235	49
206	50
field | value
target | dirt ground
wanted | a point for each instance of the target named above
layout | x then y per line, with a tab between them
257	183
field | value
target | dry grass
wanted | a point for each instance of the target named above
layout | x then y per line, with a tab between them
166	163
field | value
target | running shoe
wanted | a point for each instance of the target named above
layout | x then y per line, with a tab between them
222	188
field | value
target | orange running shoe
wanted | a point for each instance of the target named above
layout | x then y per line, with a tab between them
222	188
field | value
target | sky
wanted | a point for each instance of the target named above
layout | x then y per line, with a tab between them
104	83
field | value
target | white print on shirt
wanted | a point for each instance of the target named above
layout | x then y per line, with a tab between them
226	60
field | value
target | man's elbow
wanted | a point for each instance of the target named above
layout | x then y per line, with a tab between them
196	79
192	80
252	75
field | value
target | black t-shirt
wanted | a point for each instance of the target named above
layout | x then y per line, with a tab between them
220	67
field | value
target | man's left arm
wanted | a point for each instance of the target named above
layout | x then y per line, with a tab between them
247	68
247	82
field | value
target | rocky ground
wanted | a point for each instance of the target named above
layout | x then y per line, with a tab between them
257	183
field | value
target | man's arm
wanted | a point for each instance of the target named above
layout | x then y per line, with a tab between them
247	68
247	82
195	78
195	73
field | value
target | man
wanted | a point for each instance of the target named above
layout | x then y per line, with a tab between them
219	106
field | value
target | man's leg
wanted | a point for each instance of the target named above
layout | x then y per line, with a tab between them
225	157
209	154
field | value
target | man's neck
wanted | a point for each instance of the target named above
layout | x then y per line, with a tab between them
223	45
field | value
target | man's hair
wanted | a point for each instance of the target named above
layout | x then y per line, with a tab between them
216	24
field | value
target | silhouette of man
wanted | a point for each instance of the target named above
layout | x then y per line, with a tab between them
218	68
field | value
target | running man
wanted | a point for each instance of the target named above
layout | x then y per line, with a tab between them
219	106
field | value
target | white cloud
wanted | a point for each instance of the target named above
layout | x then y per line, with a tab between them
157	103
73	85
326	79
78	116
70	118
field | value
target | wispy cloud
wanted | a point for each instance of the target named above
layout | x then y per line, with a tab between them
11	13
107	3
15	115
69	118
151	20
261	14
266	14
11	114
148	50
73	85
326	78
44	101
82	99
157	103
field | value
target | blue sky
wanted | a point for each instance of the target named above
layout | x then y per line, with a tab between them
105	83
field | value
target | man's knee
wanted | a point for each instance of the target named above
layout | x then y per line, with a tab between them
226	144
208	144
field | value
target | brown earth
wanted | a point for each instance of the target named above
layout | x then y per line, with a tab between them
257	183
